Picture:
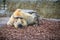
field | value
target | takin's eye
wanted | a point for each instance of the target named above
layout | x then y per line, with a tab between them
18	17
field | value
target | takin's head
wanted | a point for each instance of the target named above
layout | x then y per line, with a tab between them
20	18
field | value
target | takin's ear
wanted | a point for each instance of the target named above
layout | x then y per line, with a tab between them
18	12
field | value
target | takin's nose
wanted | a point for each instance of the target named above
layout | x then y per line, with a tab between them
20	25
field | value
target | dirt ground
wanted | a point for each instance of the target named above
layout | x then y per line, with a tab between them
47	30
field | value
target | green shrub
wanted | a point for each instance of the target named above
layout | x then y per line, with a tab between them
45	9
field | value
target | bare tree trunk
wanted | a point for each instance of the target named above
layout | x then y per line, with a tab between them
4	2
